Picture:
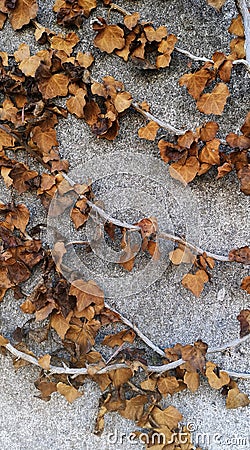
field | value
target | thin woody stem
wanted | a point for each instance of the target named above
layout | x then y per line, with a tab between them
153	369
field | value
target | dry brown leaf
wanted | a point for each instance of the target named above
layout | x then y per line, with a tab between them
216	380
244	177
237	47
55	86
134	407
131	20
120	376
44	362
168	385
76	103
23	52
214	102
209	131
69	392
45	140
3	18
217	4
123	101
119	338
186	172
236	399
60	324
224	170
65	43
86	292
244	317
182	256
240	255
149	132
195	82
22	14
155	35
109	38
192	380
245	284
210	152
85	59
235	141
237	27
149	384
245	129
3	341
169	417
165	47
195	283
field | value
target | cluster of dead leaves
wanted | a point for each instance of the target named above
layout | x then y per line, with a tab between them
214	101
195	153
18	253
149	48
70	13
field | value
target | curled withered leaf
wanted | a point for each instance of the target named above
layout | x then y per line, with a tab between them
208	131
119	338
192	380
76	103
240	255
216	378
244	177
44	362
182	255
236	27
148	226
245	284
23	12
3	341
131	20
245	129
224	169
244	319
236	399
237	47
122	101
210	152
214	102
23	52
168	385
168	417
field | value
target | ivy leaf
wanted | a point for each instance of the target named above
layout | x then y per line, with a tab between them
195	283
23	13
69	392
214	102
149	132
109	38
